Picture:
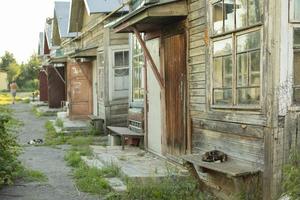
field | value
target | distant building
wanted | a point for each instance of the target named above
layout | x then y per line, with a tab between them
3	80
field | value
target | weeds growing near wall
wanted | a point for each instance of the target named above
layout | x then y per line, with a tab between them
291	178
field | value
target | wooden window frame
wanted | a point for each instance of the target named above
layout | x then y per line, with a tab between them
294	48
114	67
234	104
140	68
235	29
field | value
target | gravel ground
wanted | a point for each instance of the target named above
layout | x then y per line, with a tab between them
50	161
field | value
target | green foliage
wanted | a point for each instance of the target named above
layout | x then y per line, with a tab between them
90	180
73	158
13	71
291	178
6	60
27	79
59	123
170	188
9	148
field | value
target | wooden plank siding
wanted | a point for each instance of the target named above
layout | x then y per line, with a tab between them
238	133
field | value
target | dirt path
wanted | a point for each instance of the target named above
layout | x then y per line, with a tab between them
48	160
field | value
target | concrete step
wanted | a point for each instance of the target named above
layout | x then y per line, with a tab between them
115	183
71	126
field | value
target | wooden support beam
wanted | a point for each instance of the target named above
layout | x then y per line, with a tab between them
63	80
150	59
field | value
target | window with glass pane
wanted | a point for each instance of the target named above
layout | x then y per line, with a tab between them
248	68
121	70
297	65
222	72
229	15
137	71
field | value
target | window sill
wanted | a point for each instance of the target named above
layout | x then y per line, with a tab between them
294	108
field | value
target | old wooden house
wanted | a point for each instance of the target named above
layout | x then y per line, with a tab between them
212	80
57	72
98	67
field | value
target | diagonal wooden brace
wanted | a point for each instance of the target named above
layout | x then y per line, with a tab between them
150	59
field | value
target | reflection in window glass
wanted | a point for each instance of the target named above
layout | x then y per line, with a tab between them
137	71
297	37
255	68
254	10
227	71
229	15
222	74
218	82
248	96
241	13
223	47
223	96
297	10
297	67
242	69
248	41
218	17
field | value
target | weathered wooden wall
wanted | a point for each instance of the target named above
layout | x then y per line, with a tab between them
240	134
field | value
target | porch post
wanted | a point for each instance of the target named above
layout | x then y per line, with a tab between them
150	59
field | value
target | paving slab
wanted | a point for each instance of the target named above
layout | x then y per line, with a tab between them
45	110
137	163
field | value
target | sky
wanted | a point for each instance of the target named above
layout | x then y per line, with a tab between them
20	24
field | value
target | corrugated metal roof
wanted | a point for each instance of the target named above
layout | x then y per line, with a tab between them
103	6
61	13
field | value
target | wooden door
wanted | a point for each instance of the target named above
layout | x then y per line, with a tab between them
175	93
80	89
56	86
154	101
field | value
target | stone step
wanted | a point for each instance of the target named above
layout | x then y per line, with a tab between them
115	183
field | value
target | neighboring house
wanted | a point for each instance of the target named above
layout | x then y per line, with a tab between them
43	52
215	76
3	81
98	65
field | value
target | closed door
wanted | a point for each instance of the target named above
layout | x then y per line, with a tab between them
80	89
154	101
175	95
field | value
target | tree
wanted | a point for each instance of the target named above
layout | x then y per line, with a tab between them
27	79
7	59
13	71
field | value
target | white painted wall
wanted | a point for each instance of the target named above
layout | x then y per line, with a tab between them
154	96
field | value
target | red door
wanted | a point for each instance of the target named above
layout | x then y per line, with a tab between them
80	89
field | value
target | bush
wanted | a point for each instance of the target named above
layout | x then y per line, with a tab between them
9	148
291	180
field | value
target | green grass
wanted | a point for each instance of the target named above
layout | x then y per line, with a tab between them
170	188
29	175
59	123
90	180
